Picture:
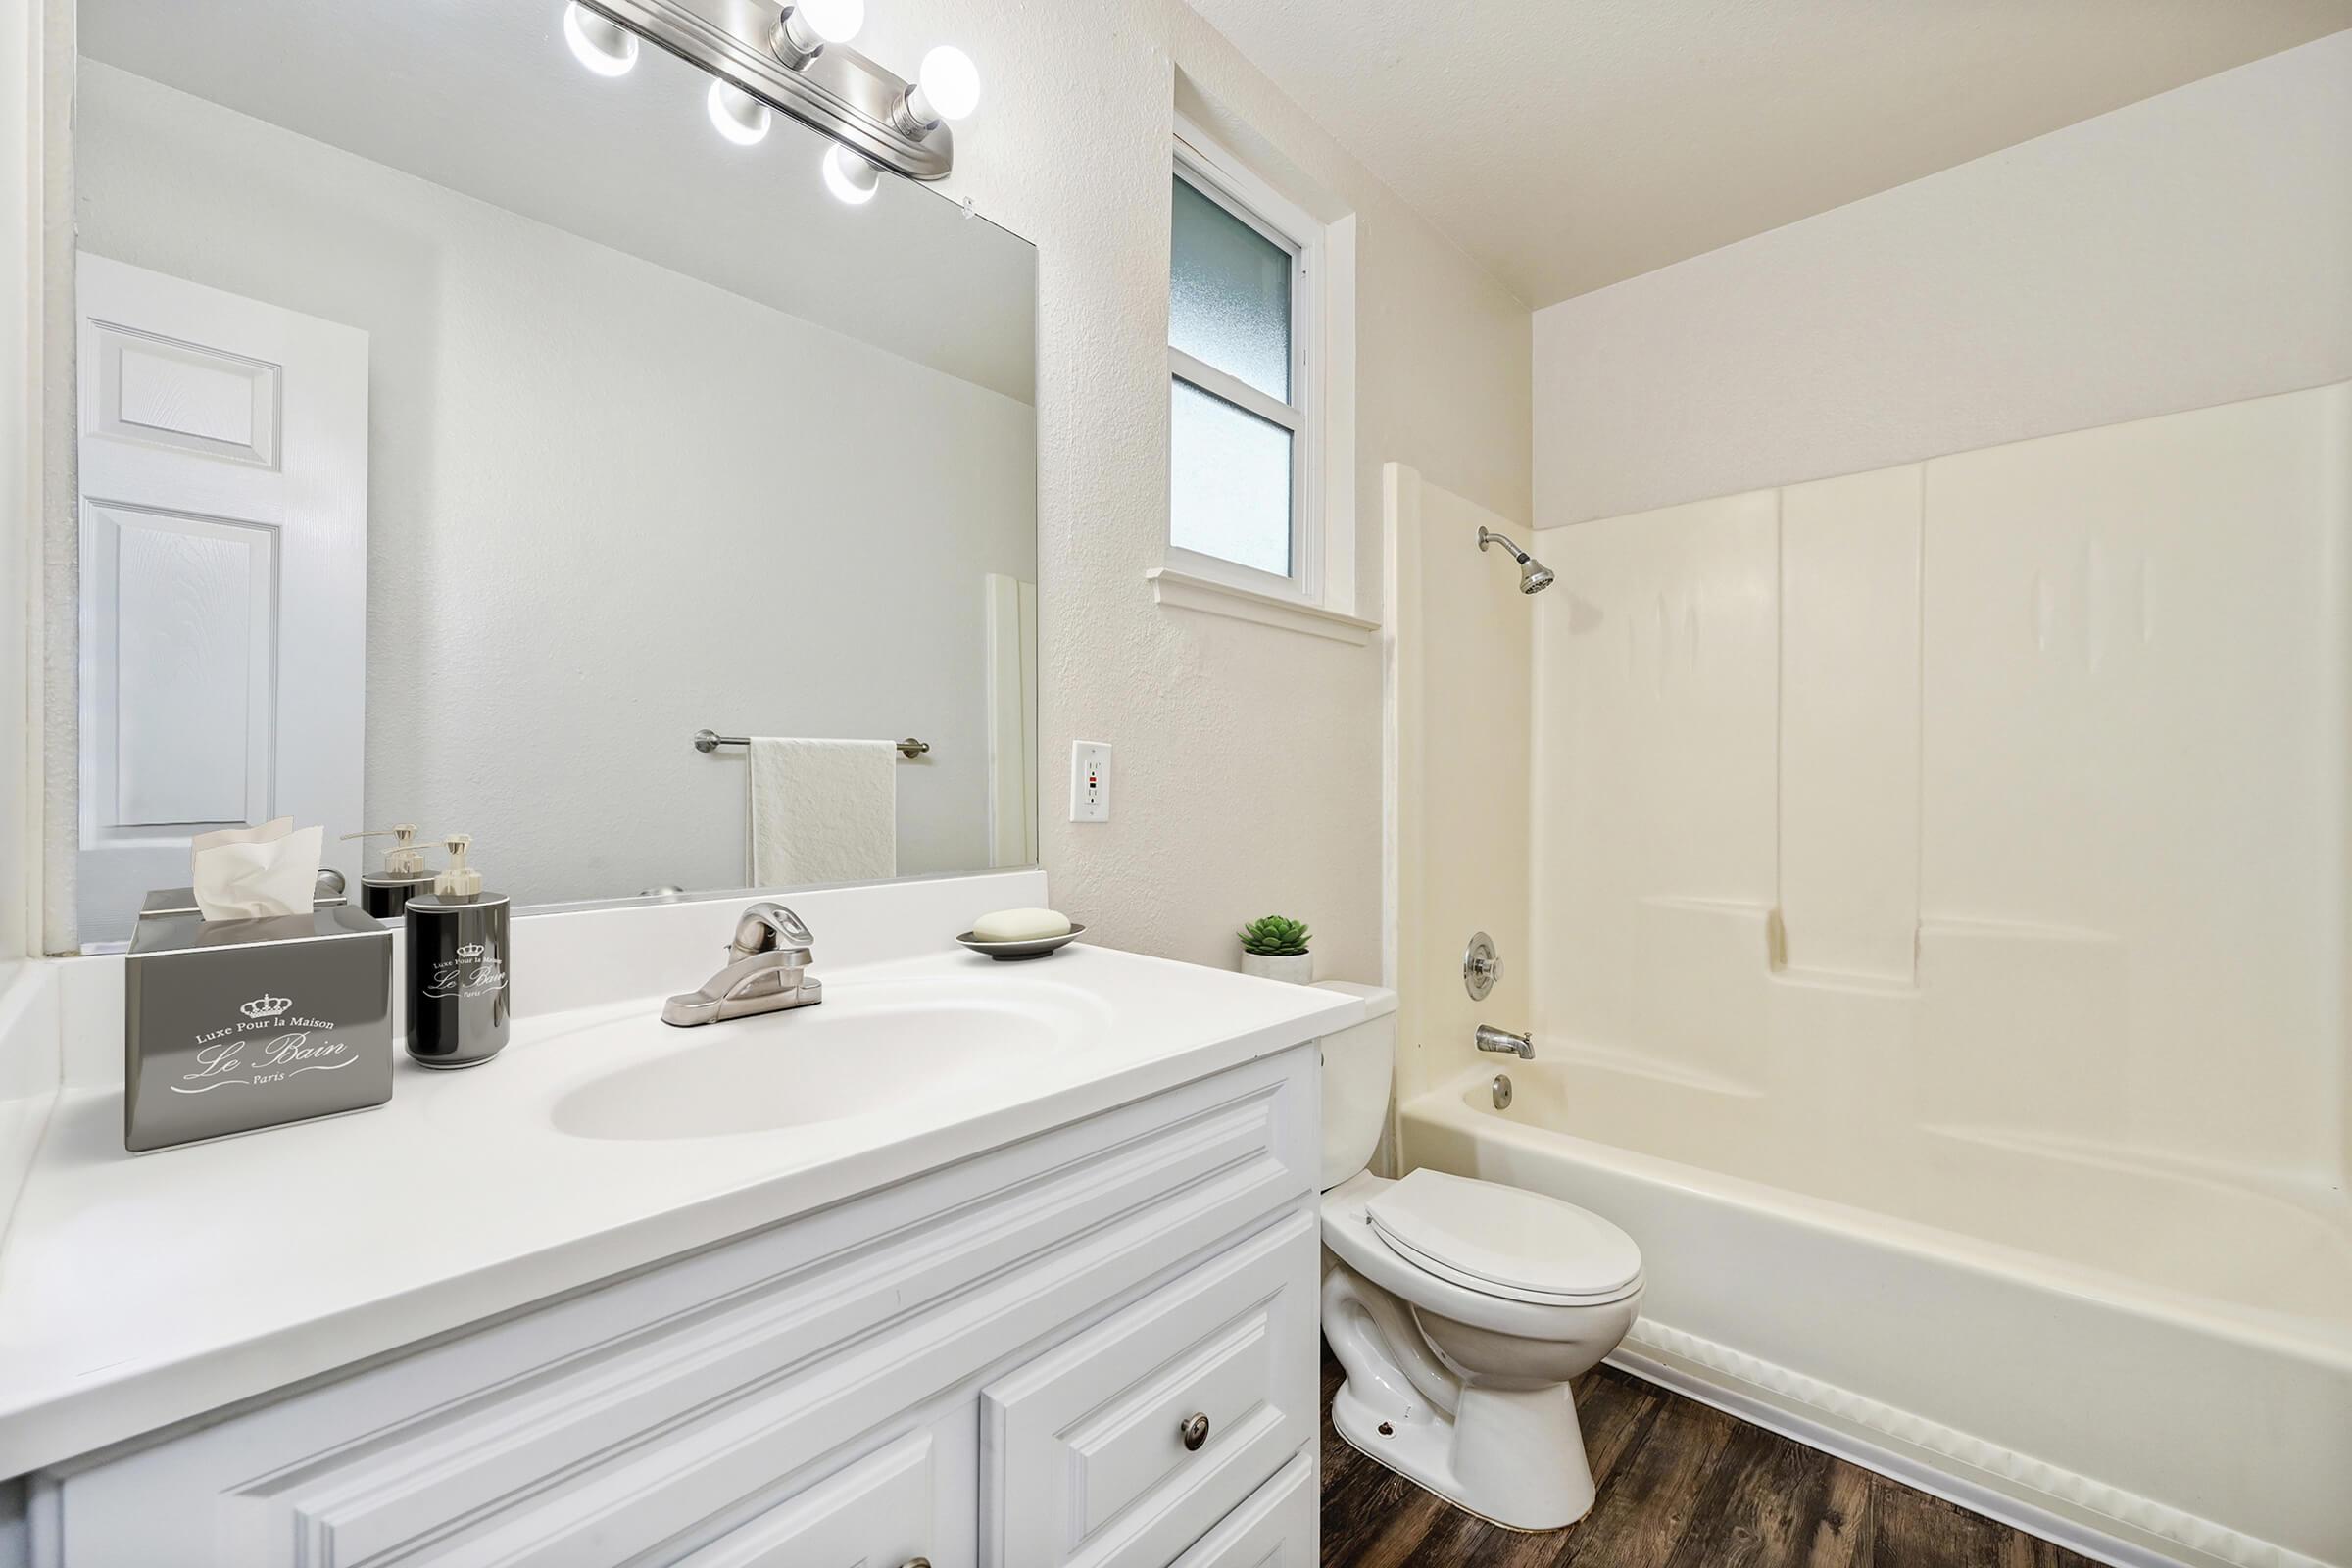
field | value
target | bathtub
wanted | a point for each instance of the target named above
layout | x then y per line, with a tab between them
2143	1363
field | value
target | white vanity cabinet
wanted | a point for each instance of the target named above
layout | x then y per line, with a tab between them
1093	1347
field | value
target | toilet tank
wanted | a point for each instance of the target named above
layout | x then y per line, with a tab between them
1360	1062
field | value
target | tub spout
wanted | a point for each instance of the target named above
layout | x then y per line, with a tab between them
1490	1038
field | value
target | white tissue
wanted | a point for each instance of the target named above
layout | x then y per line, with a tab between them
250	873
268	832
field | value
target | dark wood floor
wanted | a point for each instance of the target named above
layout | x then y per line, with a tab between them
1682	1486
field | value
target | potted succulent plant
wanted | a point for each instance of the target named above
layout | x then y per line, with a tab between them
1275	949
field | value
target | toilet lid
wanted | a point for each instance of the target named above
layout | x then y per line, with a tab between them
1505	1240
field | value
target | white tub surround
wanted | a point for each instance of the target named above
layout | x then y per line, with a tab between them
1154	1120
1937	961
1459	772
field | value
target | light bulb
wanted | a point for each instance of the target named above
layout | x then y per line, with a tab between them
600	43
951	82
805	27
737	116
850	177
834	21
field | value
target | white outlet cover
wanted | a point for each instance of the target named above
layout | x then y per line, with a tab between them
1090	781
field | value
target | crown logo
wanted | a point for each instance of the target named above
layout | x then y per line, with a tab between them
266	1006
472	951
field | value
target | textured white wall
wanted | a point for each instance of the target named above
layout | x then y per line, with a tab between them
2183	251
550	615
20	496
20	185
55	613
1249	759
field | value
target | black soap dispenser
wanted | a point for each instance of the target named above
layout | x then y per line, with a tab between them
457	968
385	893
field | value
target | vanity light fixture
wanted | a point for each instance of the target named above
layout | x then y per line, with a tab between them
806	26
850	177
736	115
946	87
767	57
598	42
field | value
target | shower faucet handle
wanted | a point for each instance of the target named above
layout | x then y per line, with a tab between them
1481	965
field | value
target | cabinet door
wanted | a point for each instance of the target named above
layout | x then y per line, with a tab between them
1123	1446
1281	1527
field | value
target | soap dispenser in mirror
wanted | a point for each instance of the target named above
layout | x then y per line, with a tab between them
385	893
457	966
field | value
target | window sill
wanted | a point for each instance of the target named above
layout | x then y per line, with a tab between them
1186	592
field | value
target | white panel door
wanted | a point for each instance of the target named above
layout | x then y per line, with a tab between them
223	447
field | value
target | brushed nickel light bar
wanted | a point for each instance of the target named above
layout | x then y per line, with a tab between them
794	59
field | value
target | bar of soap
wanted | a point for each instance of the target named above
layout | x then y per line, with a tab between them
1021	925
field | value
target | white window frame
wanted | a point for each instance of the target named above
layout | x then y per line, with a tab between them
1319	594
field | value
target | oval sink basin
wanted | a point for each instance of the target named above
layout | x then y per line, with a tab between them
862	1050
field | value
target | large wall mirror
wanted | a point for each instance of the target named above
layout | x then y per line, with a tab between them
461	431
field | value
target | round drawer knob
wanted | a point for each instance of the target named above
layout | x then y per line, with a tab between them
916	1562
1194	1431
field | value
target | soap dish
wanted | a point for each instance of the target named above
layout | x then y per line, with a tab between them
1014	951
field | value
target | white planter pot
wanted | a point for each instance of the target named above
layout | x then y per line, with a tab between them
1298	969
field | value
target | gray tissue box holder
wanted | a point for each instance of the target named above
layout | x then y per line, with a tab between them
236	1026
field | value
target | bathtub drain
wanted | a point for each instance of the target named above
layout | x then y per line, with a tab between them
1503	1091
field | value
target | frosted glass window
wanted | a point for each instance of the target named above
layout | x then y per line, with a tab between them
1237	433
1228	295
1229	490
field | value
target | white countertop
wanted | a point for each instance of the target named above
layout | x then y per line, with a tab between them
135	1292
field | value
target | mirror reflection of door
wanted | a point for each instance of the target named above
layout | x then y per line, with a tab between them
223	498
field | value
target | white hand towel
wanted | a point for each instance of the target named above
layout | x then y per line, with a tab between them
823	811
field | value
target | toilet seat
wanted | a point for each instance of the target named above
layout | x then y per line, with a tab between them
1505	1240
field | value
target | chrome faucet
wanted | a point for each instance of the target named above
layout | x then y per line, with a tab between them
1490	1038
768	971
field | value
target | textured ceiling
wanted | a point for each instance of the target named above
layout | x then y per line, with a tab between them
1571	143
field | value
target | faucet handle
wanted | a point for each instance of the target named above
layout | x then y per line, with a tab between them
766	926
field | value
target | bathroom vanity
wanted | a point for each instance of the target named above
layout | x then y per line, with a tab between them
974	1264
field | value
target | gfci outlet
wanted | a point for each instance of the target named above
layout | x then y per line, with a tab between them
1090	781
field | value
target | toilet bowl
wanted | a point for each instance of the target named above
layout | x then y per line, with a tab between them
1459	1309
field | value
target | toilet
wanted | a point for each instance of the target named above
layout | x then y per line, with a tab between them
1459	1309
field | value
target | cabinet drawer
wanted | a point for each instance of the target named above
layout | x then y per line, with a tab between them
876	1512
1085	1454
1281	1527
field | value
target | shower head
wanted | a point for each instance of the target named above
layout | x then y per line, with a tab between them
1533	575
